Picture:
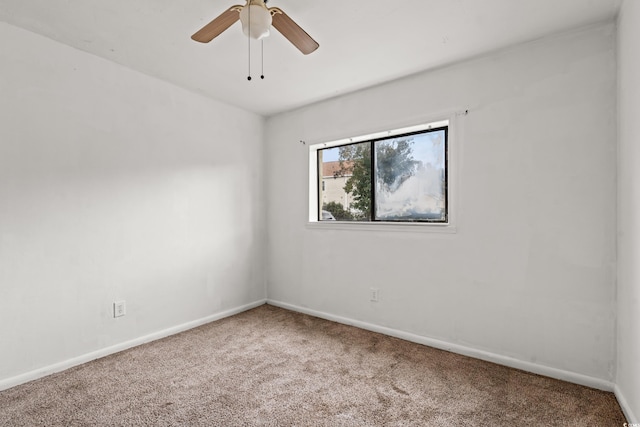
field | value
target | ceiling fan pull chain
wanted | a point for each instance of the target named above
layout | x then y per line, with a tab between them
262	57
249	41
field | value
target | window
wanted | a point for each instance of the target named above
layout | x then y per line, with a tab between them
398	176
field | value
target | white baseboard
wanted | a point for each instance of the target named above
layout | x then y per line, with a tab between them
459	349
626	408
70	363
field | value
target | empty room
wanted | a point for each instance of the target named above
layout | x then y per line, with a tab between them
319	213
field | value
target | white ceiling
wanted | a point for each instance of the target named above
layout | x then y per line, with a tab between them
362	42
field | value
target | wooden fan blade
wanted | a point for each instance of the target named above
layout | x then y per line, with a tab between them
292	31
214	28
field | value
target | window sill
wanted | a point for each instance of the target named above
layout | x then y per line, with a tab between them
411	227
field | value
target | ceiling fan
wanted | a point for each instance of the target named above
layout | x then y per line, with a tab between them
256	21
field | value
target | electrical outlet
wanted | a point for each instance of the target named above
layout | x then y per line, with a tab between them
374	294
119	308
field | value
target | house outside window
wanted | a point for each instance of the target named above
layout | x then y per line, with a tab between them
334	197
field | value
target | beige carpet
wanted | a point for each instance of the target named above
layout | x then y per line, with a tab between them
273	367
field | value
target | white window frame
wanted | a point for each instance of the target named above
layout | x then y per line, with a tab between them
449	120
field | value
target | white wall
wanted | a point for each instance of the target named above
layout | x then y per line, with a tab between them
114	185
530	273
628	368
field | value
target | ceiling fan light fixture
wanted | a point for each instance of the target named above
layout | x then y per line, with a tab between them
256	20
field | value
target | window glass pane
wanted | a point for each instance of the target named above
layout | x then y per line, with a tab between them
410	182
345	183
